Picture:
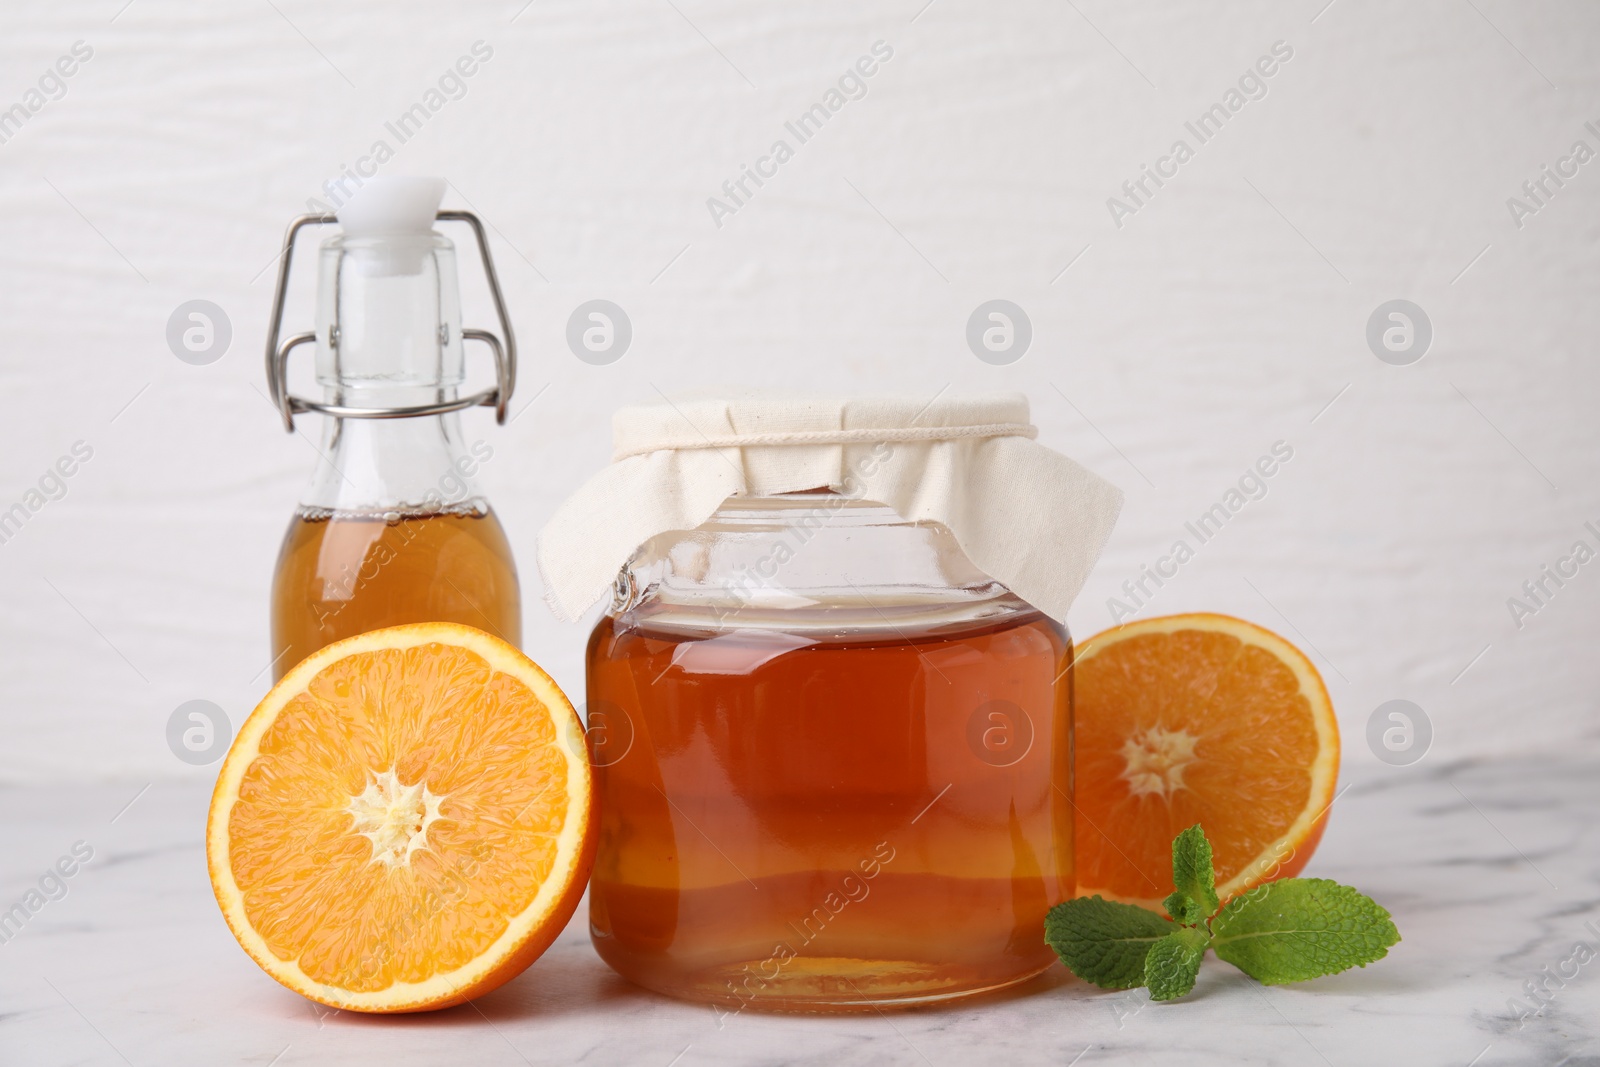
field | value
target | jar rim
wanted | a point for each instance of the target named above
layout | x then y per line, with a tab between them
744	512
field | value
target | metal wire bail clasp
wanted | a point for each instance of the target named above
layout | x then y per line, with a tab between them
505	353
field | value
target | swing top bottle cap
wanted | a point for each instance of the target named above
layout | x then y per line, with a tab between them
392	206
389	309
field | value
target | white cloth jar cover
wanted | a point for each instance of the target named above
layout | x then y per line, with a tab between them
1029	517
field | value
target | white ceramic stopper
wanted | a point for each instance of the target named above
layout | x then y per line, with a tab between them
392	205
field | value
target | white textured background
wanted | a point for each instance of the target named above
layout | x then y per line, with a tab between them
1226	315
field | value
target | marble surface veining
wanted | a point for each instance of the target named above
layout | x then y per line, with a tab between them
1491	870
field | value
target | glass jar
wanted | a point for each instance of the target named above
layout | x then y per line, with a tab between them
833	763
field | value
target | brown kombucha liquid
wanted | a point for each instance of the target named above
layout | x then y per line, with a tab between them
818	819
343	573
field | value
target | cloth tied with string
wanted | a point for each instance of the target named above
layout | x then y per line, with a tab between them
1030	517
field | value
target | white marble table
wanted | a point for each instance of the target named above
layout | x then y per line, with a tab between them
1492	872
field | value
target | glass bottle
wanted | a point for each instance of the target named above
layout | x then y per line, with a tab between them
392	528
833	762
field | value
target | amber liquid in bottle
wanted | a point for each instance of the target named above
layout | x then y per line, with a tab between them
342	573
800	820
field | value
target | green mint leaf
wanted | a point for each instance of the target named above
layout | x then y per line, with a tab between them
1299	928
1102	941
1195	899
1183	909
1174	961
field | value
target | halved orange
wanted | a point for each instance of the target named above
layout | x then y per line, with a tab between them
1205	719
405	822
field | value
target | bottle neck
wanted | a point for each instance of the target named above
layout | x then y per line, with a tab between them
410	466
389	336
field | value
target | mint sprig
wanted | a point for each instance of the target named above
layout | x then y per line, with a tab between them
1284	931
1102	941
1174	962
1194	900
1299	928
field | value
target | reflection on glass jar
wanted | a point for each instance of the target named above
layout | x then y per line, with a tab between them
836	764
